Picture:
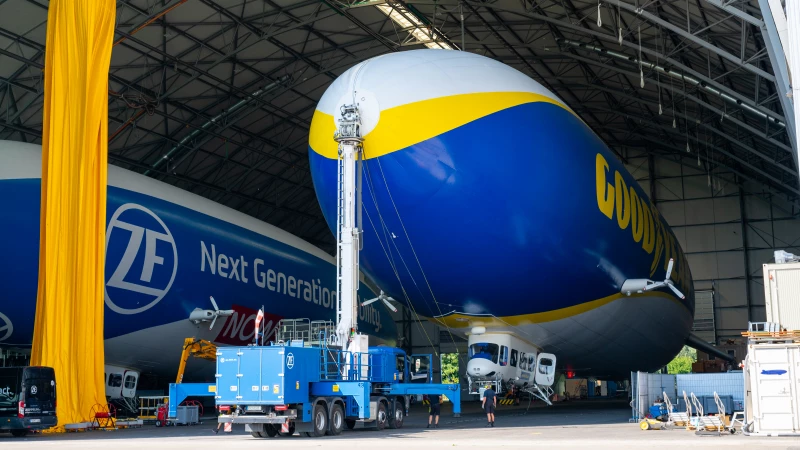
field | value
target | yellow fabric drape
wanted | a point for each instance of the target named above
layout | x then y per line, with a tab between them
68	332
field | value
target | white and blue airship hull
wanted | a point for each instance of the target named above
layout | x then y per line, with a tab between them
487	201
167	252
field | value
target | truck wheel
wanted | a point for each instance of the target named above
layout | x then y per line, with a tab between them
337	421
19	433
271	430
396	419
381	417
350	424
320	420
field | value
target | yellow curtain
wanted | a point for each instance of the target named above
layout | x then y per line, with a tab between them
68	333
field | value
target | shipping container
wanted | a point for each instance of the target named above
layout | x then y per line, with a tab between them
782	294
772	381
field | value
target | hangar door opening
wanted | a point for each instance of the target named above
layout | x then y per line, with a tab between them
704	326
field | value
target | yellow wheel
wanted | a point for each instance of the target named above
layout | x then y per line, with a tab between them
644	425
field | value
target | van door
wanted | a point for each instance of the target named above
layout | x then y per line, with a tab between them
545	373
9	390
39	391
129	384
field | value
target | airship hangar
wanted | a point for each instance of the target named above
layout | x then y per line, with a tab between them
604	186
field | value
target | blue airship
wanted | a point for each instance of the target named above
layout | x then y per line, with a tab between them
488	202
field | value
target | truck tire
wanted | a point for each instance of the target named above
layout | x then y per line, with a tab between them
382	417
351	424
397	416
19	433
337	421
271	430
319	420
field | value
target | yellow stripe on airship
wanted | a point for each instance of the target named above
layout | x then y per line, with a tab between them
406	125
463	321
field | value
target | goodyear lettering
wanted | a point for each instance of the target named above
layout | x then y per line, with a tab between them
637	220
605	191
621	203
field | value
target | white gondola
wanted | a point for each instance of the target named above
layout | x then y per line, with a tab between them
501	360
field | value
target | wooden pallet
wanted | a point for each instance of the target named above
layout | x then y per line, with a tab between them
786	335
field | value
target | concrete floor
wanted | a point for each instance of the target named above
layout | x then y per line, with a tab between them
596	424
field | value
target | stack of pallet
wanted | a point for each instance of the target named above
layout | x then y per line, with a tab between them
716	366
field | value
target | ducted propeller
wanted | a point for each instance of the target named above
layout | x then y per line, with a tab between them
640	285
384	299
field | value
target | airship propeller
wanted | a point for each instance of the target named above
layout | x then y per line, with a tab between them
385	299
205	315
639	285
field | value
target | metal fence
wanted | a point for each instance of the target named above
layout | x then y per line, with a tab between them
646	388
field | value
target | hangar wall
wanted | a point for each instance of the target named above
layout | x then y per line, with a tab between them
727	226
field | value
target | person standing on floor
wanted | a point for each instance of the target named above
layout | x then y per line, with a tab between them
489	404
221	410
436	403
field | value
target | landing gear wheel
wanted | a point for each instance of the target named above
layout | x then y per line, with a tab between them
291	430
19	433
337	421
320	420
396	419
381	418
350	424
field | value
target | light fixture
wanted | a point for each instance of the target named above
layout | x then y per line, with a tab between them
408	21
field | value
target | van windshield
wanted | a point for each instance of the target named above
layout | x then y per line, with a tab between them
484	351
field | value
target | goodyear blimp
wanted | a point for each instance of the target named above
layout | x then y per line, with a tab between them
490	207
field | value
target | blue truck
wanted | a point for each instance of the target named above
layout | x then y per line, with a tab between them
297	385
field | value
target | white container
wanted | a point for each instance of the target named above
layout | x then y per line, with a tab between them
782	294
772	389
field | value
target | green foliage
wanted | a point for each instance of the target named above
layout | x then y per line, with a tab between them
449	368
682	363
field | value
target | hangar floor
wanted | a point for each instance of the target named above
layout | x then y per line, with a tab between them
596	424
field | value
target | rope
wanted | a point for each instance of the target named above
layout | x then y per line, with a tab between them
408	238
390	259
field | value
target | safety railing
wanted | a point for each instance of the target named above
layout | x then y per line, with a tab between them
339	365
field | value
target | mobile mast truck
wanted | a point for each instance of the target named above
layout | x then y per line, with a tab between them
317	377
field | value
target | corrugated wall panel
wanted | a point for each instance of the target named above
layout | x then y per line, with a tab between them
783	294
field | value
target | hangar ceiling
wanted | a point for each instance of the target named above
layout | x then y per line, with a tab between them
216	96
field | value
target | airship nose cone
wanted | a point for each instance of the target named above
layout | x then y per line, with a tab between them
479	367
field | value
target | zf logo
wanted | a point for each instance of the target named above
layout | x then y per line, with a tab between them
6	327
289	361
143	274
